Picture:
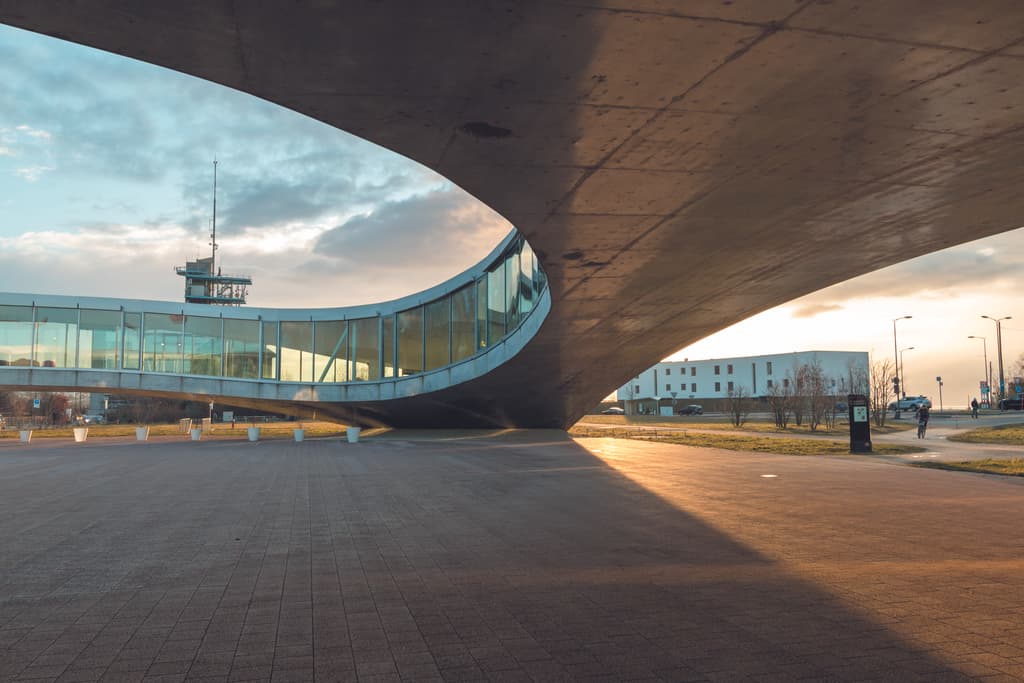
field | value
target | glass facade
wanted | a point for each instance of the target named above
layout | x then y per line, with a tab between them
447	330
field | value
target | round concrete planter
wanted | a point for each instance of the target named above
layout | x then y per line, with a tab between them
353	434
25	435
142	433
299	434
254	433
197	433
81	434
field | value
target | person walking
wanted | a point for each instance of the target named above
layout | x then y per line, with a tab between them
922	421
974	408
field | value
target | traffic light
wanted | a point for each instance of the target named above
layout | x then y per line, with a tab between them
896	385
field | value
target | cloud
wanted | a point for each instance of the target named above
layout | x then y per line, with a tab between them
32	173
438	227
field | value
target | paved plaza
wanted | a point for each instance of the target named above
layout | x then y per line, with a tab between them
517	557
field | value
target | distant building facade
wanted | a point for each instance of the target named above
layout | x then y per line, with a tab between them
711	381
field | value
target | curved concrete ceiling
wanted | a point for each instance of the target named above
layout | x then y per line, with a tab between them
675	172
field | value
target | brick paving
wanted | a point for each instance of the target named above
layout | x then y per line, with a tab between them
519	558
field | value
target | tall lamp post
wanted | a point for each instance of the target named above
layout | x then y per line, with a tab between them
985	373
903	370
999	351
896	353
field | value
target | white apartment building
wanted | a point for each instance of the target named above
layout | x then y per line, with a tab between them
690	381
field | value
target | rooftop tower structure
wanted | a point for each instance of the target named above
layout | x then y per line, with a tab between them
204	282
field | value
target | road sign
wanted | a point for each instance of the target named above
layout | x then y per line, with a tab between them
35	403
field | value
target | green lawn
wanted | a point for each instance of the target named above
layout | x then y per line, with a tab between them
1004	434
1013	467
269	430
761	425
737	442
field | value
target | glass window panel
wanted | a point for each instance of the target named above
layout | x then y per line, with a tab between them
365	349
496	304
241	348
388	344
438	318
15	335
56	337
296	352
99	340
331	361
270	354
132	340
525	280
539	279
463	323
410	342
161	342
202	345
512	291
481	313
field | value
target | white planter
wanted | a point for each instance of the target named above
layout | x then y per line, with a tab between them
254	433
197	433
142	433
80	434
353	434
25	435
300	434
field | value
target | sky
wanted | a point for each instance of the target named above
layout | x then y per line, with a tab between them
106	167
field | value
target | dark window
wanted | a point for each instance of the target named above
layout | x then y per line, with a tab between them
668	387
769	384
785	382
693	388
769	367
668	371
728	368
693	372
730	386
718	386
718	369
636	389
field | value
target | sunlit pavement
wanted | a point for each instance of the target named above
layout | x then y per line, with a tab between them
940	448
525	556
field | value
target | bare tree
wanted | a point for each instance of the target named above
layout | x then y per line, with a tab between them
881	374
820	405
780	398
738	401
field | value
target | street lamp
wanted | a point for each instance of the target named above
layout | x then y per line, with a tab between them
985	373
897	360
999	351
903	370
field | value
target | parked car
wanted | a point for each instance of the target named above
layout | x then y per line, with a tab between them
613	410
92	419
841	407
911	403
1011	404
692	409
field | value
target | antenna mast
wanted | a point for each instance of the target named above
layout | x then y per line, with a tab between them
213	231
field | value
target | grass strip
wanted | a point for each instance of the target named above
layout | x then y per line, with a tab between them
268	430
1002	434
1012	467
764	426
736	442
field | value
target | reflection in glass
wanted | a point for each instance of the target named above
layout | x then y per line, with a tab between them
481	313
15	335
241	348
387	335
132	340
99	339
438	318
330	363
56	337
365	349
161	343
525	280
496	304
296	352
270	354
463	323
410	342
202	346
511	292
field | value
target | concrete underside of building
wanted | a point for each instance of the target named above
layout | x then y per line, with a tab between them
677	167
